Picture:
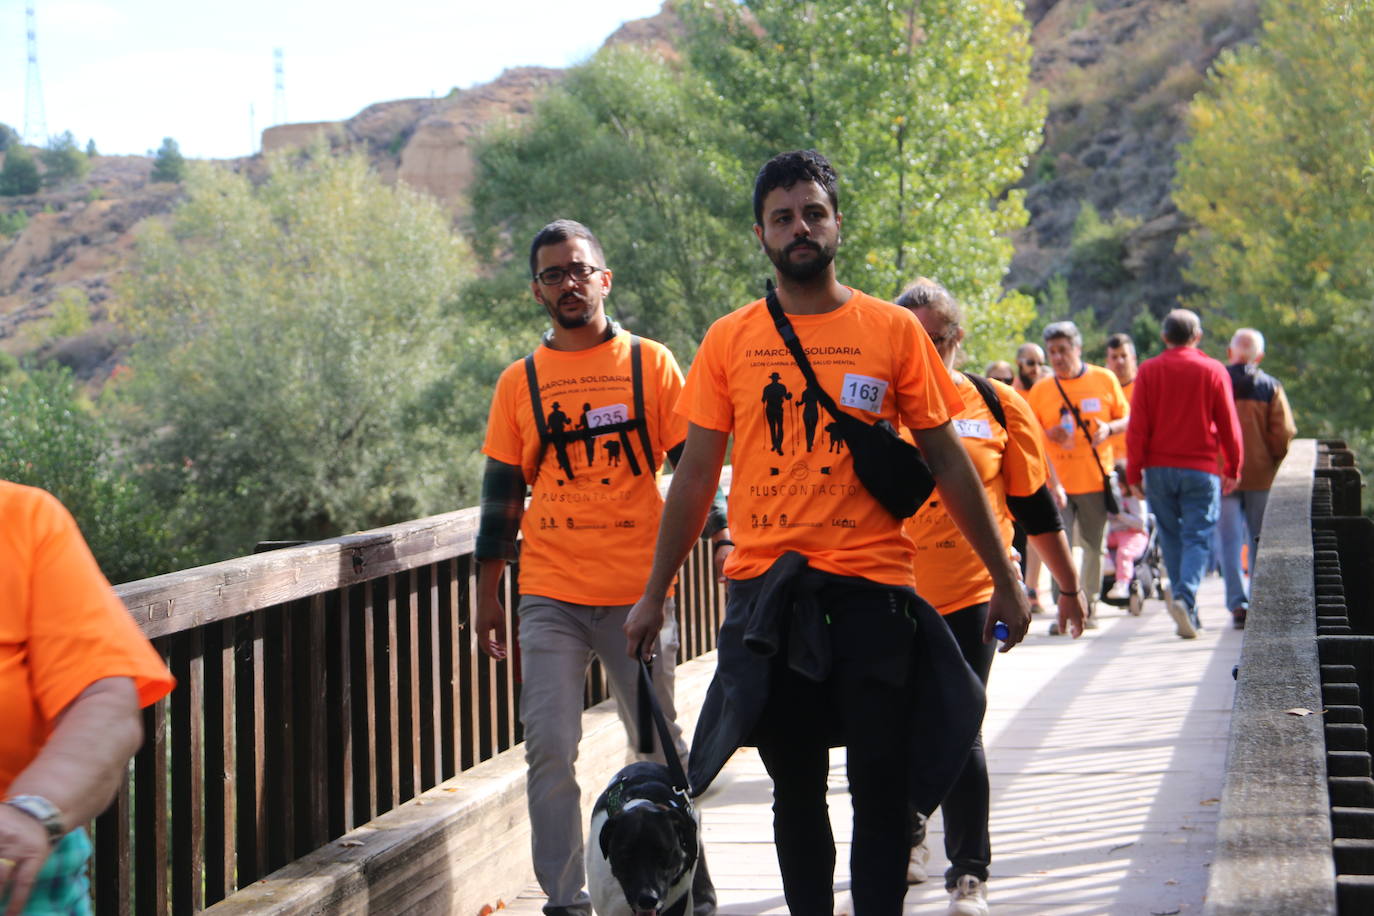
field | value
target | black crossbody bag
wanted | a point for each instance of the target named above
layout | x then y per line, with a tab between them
1108	493
889	467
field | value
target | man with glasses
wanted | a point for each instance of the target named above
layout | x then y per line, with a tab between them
1080	407
1030	367
587	541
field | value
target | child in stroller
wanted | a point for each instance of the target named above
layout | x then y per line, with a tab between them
1133	552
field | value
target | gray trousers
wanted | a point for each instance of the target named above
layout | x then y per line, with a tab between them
557	643
1085	520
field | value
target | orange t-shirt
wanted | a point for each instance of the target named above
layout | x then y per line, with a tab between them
1097	394
793	485
61	626
1118	442
588	540
1008	461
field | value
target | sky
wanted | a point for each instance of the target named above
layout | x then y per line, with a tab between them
127	73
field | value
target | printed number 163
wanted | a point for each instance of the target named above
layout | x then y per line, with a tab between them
863	392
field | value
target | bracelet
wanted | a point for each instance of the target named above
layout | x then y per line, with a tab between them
723	542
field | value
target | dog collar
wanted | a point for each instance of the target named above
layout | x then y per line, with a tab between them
617	803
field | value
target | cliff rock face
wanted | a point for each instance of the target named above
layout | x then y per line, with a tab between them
1118	73
437	157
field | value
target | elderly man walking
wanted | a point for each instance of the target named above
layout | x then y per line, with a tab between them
1266	428
1182	416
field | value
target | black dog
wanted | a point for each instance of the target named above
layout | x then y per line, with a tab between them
644	846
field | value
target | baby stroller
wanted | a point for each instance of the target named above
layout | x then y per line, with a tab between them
1147	580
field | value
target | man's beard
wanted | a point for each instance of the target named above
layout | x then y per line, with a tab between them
1028	380
577	320
804	271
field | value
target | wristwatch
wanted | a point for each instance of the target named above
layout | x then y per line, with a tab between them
43	811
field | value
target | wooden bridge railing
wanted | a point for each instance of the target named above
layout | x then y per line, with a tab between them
318	687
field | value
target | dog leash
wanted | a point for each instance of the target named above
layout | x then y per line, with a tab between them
665	738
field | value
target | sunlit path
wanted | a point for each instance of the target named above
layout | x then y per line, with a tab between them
1107	758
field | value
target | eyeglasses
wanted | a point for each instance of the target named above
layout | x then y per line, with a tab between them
554	276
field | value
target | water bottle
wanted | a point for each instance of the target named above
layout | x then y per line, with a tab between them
999	630
1066	420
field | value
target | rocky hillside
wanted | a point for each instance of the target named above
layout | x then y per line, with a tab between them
1118	74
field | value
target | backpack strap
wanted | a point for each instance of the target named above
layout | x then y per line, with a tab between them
990	397
537	407
637	377
639	420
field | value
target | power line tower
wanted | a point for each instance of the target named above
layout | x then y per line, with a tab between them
279	94
35	121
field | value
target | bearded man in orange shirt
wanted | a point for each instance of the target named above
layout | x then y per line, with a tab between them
825	642
585	551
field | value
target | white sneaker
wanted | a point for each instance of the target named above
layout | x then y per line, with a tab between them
917	869
844	904
969	898
1120	590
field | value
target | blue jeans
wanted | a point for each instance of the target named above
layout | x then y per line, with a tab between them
1241	511
1186	504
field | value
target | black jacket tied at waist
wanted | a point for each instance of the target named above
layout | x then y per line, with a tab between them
787	609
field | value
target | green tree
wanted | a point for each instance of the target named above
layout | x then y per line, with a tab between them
50	438
20	174
924	107
622	147
293	336
8	137
70	316
169	164
13	222
63	160
1288	253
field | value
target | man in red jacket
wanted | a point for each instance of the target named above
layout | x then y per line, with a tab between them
1182	416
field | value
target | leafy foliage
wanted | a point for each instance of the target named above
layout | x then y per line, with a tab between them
20	174
8	137
63	160
623	147
71	315
291	336
658	158
49	438
1288	253
1098	251
13	222
168	164
948	123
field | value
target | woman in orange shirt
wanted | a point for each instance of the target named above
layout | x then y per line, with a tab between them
74	671
1010	461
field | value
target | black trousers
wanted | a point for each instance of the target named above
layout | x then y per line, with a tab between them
863	705
966	806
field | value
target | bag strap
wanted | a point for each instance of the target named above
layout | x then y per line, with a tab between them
789	337
990	397
665	738
637	379
1078	419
